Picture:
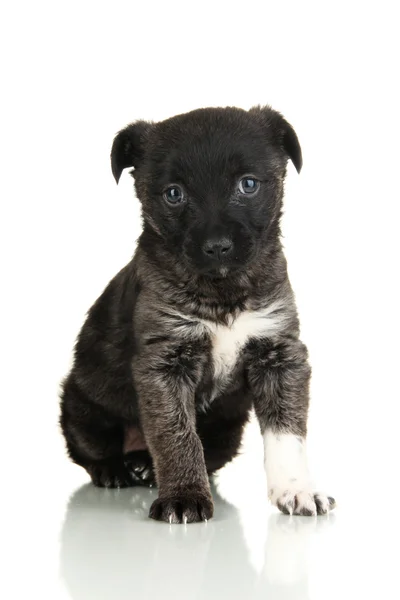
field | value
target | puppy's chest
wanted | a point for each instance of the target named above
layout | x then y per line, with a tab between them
228	342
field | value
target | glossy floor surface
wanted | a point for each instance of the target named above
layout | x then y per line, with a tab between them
65	539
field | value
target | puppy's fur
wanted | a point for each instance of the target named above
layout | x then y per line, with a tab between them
201	326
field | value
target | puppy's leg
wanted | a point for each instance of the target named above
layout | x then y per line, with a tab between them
279	375
166	382
95	441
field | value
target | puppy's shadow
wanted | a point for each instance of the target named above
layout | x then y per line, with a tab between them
111	549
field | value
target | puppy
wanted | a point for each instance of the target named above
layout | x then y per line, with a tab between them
201	326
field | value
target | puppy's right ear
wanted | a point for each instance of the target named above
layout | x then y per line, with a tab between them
129	147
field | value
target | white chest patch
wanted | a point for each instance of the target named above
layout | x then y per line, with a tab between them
228	341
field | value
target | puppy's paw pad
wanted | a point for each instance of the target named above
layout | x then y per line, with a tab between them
182	509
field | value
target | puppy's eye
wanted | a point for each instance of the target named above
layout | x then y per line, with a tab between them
173	194
248	185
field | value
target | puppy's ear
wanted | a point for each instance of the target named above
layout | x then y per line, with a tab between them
283	131
129	147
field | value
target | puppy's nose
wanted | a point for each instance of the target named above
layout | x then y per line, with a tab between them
218	249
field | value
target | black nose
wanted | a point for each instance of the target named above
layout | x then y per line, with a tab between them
218	249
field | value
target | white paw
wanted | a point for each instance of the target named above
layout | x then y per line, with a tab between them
293	501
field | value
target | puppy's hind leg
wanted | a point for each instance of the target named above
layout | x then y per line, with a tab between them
95	439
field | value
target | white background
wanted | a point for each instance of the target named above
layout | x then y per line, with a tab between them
72	74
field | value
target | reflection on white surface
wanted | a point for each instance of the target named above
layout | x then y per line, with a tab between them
109	549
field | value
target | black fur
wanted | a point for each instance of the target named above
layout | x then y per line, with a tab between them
142	402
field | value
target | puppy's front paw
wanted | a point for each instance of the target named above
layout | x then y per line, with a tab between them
299	502
182	508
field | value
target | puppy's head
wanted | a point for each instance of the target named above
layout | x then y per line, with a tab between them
210	182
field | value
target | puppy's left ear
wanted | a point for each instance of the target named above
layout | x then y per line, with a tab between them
283	131
129	147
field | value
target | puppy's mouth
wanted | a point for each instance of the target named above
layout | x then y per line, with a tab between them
219	272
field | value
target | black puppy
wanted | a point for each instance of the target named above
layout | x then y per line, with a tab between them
201	326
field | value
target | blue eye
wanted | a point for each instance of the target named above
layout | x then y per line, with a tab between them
173	195
248	185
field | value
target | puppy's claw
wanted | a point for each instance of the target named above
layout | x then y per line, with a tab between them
332	503
182	509
286	503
